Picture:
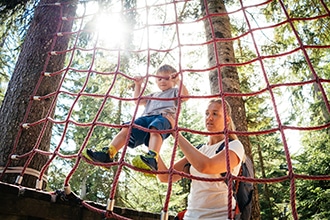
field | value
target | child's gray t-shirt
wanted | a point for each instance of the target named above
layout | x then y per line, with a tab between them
156	107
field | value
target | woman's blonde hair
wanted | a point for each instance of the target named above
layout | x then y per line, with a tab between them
230	123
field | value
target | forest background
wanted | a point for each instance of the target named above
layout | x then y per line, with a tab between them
298	105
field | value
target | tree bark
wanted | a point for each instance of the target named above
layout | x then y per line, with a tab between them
223	77
221	53
40	40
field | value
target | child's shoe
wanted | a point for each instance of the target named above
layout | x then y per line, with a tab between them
147	162
98	156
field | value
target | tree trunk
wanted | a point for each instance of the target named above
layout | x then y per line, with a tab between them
225	78
18	106
225	55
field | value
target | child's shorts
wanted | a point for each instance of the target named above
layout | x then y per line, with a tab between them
139	137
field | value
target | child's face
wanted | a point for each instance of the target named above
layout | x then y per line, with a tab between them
166	82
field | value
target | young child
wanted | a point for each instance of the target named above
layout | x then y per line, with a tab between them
152	118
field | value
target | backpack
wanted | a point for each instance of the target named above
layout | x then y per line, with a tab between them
242	191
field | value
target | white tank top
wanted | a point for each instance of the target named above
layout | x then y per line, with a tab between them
208	200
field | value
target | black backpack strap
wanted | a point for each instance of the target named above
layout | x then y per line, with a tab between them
222	146
199	146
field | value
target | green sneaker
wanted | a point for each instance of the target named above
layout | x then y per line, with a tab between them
146	162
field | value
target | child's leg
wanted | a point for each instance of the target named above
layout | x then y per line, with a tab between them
107	154
118	142
155	142
149	161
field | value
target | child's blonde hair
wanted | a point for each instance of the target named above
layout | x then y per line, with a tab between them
167	69
230	125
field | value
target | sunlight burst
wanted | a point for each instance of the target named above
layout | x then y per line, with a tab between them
111	29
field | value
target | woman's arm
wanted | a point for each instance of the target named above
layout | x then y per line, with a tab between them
179	166
203	163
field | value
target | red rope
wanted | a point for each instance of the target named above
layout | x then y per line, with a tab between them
260	59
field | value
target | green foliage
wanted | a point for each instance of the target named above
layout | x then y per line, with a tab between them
8	6
312	196
308	103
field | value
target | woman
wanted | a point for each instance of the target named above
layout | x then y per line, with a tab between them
208	200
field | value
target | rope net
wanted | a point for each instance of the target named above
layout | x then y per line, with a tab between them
112	44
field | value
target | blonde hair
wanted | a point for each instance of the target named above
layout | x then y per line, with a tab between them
167	69
230	125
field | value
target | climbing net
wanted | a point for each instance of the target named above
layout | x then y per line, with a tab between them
279	57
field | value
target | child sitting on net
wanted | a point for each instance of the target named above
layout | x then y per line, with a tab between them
153	118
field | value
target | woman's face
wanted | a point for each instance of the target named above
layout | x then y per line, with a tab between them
214	120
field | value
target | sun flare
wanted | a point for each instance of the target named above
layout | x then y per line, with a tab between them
111	30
